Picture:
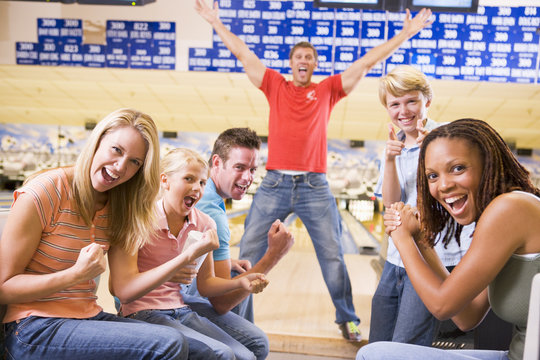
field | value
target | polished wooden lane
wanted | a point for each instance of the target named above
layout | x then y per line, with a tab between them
296	310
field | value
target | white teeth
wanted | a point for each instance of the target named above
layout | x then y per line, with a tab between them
111	174
453	199
242	186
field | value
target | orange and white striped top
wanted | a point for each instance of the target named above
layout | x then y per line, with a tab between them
64	235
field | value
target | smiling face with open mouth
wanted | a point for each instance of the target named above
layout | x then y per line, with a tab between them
303	63
454	171
234	176
406	110
120	154
183	189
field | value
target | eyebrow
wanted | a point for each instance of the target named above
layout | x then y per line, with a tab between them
192	174
124	150
139	159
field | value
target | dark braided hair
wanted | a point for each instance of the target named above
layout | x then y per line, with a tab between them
502	173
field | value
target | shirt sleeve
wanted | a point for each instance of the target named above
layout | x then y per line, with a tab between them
378	188
45	191
270	79
336	88
222	226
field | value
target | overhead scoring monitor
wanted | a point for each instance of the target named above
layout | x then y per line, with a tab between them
401	5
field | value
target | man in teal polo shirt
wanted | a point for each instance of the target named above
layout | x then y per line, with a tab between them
233	162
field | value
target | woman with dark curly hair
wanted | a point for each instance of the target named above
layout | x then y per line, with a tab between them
467	173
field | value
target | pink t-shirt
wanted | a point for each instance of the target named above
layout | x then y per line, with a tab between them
298	121
64	235
161	249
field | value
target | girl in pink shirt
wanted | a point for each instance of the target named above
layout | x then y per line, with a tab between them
148	283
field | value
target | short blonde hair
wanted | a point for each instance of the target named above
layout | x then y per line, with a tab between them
402	80
131	204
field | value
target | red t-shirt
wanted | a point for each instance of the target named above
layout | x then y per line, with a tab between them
298	121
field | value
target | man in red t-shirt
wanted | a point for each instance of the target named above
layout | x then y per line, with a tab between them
296	177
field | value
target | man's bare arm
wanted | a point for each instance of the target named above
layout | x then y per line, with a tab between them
280	240
253	66
361	67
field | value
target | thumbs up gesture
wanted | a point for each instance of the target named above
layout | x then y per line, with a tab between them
393	145
422	132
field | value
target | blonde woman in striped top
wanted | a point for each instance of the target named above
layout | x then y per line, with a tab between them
61	224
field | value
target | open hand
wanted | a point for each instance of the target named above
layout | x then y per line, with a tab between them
420	21
206	11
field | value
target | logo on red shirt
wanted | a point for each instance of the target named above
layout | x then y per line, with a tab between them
311	96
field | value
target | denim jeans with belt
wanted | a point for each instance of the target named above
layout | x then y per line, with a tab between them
309	197
102	337
397	312
206	340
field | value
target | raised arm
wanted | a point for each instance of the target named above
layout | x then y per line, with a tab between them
462	295
253	66
472	313
209	285
361	67
20	240
475	311
280	240
391	189
128	284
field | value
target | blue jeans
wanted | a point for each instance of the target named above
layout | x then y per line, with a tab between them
104	336
240	329
309	197
397	312
206	340
400	351
244	309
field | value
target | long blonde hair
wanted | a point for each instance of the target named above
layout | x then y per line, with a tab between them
131	204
